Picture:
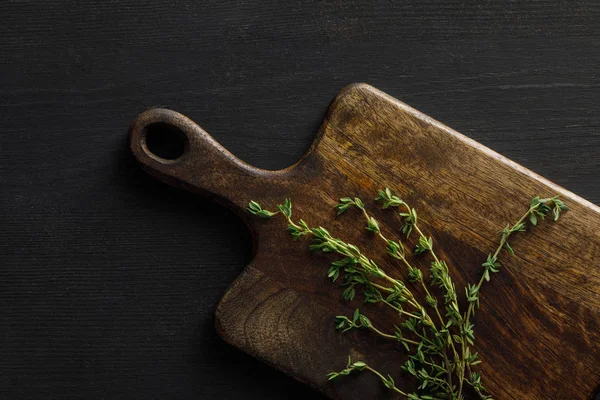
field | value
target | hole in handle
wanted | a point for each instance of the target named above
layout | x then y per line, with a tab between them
164	141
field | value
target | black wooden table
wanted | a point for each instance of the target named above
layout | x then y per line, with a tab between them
109	279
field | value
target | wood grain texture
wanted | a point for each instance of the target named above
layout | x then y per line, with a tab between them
540	318
109	278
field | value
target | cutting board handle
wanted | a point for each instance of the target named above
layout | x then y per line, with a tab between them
177	151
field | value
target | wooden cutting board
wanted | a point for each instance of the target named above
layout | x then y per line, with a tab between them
538	330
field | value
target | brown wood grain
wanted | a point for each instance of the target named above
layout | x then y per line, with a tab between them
539	321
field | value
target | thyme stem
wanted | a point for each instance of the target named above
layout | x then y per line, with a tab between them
392	337
391	386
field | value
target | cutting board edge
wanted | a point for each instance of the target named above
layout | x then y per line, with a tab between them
360	86
224	330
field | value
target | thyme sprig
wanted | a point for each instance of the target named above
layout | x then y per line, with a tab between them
428	342
396	250
439	269
538	209
362	366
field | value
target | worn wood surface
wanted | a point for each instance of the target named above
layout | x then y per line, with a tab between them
540	318
109	278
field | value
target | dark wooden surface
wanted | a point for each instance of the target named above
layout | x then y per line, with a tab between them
109	280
